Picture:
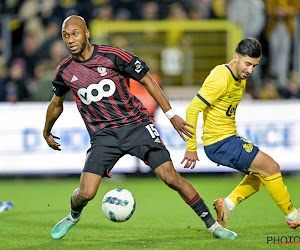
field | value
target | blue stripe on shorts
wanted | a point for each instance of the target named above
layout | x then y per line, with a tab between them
234	151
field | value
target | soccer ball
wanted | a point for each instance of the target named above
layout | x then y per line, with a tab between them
118	205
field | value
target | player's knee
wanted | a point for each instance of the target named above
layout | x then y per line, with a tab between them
273	168
86	195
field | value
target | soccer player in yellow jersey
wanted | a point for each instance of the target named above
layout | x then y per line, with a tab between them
218	98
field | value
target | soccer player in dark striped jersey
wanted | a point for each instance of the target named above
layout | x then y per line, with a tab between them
118	123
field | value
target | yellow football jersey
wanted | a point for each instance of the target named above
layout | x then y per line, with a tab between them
218	98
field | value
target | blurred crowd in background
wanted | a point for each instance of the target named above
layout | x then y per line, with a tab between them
37	49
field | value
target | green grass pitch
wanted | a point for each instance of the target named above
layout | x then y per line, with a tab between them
161	221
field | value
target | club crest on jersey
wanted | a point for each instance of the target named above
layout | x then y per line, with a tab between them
101	70
138	66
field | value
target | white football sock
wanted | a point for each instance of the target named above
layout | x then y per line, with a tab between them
292	217
74	219
229	204
214	227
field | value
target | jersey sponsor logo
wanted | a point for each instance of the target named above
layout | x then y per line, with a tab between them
230	96
138	66
101	70
231	110
74	78
95	92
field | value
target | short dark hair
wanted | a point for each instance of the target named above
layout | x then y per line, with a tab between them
249	47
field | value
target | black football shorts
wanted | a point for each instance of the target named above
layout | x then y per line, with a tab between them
109	145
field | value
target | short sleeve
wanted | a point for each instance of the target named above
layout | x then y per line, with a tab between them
58	85
137	68
213	87
127	63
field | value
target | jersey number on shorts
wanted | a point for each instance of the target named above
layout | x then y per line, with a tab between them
152	130
95	92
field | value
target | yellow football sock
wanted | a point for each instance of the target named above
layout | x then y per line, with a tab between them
249	185
279	193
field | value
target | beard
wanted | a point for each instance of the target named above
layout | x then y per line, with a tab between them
81	49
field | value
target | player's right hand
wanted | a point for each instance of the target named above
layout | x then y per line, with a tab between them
181	126
190	158
51	142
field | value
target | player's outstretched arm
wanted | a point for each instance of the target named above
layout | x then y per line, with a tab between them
180	125
55	108
192	112
190	159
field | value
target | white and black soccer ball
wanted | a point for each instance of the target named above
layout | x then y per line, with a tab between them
118	205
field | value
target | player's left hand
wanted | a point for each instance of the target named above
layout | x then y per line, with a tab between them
51	142
190	158
181	127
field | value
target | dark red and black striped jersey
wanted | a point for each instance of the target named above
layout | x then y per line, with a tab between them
100	86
